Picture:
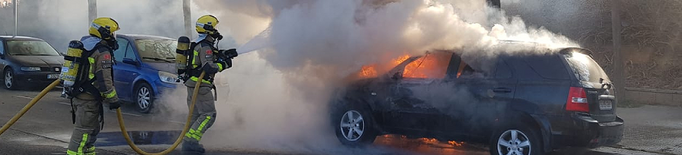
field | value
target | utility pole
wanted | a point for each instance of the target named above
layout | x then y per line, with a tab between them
618	71
16	18
187	17
92	11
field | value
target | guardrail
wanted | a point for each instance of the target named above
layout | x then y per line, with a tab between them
654	96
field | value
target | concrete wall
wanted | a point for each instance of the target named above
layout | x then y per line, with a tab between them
654	96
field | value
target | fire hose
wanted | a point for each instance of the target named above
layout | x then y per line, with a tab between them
182	134
119	116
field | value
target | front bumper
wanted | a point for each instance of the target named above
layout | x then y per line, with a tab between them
592	133
35	78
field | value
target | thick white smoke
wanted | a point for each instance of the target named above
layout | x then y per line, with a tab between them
276	98
278	95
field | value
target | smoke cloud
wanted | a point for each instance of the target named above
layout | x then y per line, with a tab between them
276	98
307	47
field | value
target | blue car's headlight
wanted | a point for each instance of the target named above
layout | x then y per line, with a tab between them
168	77
30	69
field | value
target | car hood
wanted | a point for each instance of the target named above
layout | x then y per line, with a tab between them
40	61
167	67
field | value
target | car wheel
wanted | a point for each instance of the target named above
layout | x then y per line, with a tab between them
516	140
145	97
10	82
354	126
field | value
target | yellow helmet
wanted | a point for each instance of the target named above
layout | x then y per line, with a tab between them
206	24
104	28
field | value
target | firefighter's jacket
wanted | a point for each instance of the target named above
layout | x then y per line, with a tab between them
204	59
101	62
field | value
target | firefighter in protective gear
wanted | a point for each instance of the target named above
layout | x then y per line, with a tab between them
203	59
98	88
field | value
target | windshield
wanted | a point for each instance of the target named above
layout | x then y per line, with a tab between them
156	50
585	68
30	47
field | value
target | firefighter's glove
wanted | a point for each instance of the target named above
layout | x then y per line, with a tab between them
114	105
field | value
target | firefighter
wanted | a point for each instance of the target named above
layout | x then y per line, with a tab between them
205	57
97	88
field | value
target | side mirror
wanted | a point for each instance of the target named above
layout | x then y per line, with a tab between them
130	61
2	56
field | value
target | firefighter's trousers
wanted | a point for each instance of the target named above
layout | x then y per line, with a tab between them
87	126
204	112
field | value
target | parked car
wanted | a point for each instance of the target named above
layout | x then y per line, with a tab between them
145	67
525	104
28	61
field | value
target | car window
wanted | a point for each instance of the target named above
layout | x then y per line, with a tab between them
120	52
585	68
548	66
159	50
430	66
2	48
130	53
30	47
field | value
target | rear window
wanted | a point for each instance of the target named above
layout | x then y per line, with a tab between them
585	68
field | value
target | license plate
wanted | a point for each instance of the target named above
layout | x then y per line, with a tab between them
605	104
52	76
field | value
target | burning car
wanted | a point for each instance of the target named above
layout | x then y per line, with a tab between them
528	104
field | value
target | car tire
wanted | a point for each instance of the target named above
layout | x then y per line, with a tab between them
354	125
10	81
144	97
525	142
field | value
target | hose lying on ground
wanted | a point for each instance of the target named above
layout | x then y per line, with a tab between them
118	113
182	134
29	105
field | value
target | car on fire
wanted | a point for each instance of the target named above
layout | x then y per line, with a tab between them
28	61
528	104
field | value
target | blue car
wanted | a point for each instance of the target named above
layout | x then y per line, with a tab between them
145	67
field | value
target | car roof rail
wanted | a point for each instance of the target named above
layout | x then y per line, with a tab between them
576	49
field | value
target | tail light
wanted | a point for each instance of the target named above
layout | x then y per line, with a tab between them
577	100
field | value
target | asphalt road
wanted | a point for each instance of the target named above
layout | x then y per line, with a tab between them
47	127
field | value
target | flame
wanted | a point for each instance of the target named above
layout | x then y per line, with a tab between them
429	140
430	66
370	71
455	143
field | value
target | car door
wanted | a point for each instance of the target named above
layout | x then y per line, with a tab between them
124	73
412	108
490	89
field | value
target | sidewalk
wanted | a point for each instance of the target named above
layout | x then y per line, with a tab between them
652	128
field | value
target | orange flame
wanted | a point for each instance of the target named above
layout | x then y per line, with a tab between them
455	143
370	71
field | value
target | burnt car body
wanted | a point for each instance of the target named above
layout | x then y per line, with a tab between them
526	104
28	61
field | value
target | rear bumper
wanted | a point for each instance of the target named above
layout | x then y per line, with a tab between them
592	133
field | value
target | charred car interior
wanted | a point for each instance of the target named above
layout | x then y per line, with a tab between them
522	103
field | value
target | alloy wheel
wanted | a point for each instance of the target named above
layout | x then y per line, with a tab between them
513	142
143	97
8	79
352	125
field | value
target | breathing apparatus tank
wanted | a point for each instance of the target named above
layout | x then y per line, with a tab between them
69	72
182	51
